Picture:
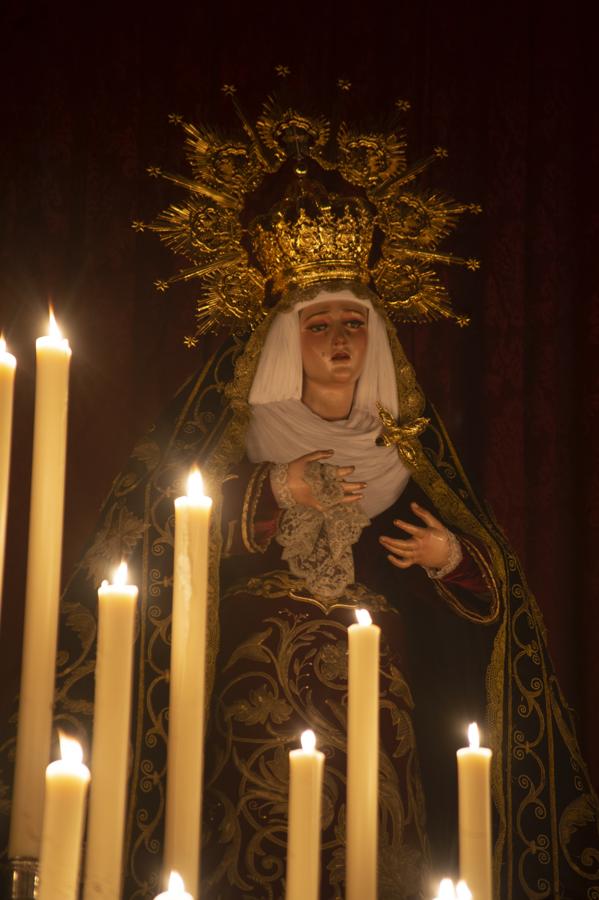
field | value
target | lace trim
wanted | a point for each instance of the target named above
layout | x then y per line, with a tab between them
453	561
278	483
317	542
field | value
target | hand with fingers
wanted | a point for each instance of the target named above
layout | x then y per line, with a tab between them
428	544
301	490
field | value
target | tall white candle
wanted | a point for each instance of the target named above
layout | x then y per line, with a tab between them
185	755
176	889
362	759
474	785
42	594
303	838
8	365
64	808
110	748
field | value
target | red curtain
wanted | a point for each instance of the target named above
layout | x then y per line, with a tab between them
511	92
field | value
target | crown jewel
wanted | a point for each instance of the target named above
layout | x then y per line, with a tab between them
312	238
344	206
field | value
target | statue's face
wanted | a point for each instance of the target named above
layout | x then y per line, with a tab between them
334	337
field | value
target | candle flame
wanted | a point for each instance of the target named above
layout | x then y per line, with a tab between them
195	485
53	329
175	883
308	740
462	891
70	749
446	890
120	576
363	617
473	736
2	343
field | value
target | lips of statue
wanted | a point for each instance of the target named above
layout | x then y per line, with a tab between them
334	338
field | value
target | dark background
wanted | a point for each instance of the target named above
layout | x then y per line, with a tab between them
510	91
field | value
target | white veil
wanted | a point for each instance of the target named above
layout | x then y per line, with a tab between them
282	428
279	373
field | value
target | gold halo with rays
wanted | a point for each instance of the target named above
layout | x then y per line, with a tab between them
240	257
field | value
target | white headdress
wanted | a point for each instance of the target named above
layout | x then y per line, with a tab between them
279	373
282	428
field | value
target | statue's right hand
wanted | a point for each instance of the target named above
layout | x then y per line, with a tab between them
301	490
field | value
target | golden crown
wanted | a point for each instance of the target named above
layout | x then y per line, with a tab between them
314	238
295	202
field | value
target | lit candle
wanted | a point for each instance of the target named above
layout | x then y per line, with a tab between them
8	365
110	748
447	891
64	808
176	889
474	763
185	755
303	838
362	759
42	592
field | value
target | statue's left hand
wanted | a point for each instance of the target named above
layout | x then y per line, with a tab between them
428	545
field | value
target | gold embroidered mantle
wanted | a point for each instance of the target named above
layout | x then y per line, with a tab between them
547	812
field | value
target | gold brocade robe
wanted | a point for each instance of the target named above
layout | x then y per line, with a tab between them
282	668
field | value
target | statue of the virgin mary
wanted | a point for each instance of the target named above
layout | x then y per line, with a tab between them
335	487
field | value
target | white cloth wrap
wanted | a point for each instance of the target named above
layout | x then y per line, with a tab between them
279	373
282	428
281	432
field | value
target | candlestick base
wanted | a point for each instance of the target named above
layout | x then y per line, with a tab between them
23	878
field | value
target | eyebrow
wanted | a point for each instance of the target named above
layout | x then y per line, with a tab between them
322	312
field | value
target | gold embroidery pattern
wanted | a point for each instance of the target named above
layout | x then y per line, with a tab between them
278	584
290	675
250	505
537	848
546	832
138	517
472	615
488	577
115	541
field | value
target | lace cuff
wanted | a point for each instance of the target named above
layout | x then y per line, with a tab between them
317	543
455	558
278	483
